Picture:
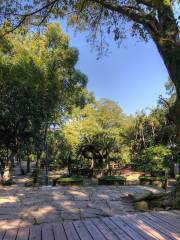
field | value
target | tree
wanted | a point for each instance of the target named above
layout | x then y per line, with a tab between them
94	132
155	18
155	159
39	83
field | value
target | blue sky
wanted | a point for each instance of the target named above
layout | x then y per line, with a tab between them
132	75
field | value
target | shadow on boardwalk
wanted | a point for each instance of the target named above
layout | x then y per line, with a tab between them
140	226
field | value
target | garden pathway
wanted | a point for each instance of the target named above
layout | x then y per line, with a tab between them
141	226
21	207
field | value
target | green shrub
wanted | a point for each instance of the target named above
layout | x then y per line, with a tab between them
75	180
155	159
112	180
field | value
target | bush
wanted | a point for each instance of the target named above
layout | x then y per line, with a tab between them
155	159
112	180
75	180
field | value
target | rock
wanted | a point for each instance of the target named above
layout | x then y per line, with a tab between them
148	196
176	204
66	215
167	203
158	209
168	208
141	206
159	196
142	196
155	204
90	213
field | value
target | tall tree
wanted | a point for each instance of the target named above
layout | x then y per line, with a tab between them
38	82
155	18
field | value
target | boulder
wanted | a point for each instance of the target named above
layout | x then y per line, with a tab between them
176	203
141	206
142	196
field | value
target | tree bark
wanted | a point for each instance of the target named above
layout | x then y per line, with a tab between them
171	57
28	166
6	173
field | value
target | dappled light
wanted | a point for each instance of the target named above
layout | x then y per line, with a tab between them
74	164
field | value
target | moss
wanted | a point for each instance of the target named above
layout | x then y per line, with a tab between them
141	206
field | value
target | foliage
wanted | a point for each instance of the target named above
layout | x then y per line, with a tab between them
95	132
75	180
155	159
99	131
111	180
158	19
38	85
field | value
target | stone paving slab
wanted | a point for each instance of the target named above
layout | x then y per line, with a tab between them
20	206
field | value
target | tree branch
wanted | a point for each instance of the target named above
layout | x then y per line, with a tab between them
148	21
26	15
148	3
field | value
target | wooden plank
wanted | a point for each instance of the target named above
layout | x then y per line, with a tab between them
70	231
163	223
47	232
165	233
58	231
95	233
104	229
82	231
148	229
116	230
35	233
126	228
23	234
176	212
167	218
139	226
171	214
10	234
2	233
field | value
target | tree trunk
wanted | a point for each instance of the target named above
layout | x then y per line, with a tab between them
172	60
28	166
171	56
21	167
92	163
6	174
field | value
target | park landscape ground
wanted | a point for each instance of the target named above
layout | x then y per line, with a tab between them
22	206
82	212
73	167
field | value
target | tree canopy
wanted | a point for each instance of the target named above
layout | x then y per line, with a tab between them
158	19
38	85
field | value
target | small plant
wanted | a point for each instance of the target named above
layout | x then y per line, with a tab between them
154	160
112	180
74	180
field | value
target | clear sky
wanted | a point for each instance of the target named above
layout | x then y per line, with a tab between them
132	75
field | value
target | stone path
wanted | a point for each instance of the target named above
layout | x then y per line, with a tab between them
21	207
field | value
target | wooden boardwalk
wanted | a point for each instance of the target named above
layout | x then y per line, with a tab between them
141	226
